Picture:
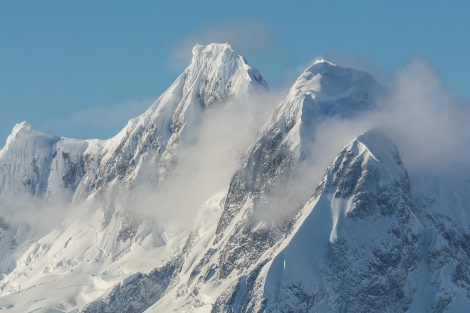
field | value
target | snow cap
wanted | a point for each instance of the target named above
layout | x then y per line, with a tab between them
378	143
212	52
21	127
211	48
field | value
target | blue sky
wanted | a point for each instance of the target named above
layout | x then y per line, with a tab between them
83	68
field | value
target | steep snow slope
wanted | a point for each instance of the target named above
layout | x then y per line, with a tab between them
101	239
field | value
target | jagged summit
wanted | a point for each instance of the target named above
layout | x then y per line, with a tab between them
212	50
217	72
370	161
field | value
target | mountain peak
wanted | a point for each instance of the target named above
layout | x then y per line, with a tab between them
325	90
370	163
23	128
211	49
327	81
322	62
375	146
217	72
214	54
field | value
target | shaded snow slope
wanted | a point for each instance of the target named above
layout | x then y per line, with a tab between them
364	244
358	240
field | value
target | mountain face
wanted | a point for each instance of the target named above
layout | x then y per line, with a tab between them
370	236
365	191
88	175
324	90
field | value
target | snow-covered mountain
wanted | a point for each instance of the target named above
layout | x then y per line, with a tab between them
89	175
370	236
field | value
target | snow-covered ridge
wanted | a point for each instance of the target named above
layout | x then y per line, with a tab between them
359	239
223	73
361	206
91	173
216	74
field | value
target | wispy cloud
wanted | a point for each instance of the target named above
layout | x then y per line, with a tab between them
428	125
206	162
41	215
